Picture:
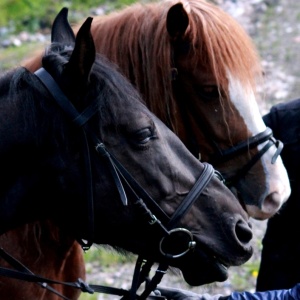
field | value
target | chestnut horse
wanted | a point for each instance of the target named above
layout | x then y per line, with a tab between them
203	64
79	147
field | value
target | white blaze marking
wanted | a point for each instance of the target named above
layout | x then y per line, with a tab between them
277	182
244	101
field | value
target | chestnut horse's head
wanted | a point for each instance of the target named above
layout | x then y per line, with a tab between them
205	67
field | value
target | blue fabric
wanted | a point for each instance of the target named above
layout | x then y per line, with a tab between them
291	294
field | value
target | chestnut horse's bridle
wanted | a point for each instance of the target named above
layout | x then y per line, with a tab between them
222	156
150	209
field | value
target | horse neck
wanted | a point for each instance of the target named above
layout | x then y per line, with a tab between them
46	251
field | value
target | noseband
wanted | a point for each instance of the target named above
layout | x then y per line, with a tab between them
152	211
222	156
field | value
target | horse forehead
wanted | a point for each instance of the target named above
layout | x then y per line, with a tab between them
244	100
134	116
195	72
201	73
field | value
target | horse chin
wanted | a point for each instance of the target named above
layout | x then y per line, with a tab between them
209	272
199	268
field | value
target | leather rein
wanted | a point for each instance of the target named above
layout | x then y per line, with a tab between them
154	215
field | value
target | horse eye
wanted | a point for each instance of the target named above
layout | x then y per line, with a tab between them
143	136
208	92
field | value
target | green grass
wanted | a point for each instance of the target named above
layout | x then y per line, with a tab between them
85	296
248	278
33	15
107	258
13	56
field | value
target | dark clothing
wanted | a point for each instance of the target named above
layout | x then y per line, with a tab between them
280	261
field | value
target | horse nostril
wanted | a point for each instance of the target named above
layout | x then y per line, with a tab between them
243	232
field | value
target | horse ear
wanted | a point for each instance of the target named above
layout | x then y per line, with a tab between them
61	29
177	21
83	55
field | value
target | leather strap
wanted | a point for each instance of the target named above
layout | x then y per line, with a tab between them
193	195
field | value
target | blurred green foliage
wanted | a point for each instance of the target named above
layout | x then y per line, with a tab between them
12	56
107	256
34	15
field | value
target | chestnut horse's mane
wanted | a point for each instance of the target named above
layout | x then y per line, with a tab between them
218	41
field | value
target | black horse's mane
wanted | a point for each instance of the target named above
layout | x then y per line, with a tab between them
106	84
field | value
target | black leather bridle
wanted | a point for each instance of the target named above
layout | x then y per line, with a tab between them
120	175
150	209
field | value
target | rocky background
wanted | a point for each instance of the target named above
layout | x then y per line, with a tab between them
274	26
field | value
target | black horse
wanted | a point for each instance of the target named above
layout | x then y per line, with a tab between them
79	147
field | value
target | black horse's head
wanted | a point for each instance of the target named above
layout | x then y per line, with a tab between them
79	146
